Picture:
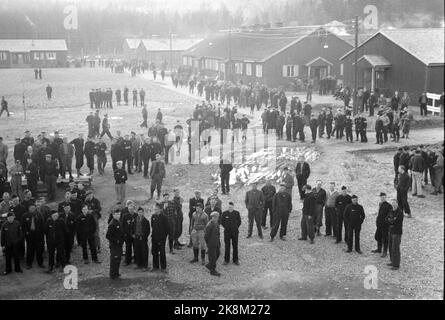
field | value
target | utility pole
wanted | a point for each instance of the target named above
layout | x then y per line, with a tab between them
171	52
229	69
355	106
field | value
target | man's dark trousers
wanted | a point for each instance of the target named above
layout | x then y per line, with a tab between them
267	207
128	248
255	215
331	221
158	252
353	234
225	183
141	252
301	182
230	237
280	219
213	253
115	259
381	236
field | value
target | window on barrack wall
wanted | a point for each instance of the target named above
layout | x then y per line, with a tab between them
248	69
3	56
51	55
259	70
36	55
238	68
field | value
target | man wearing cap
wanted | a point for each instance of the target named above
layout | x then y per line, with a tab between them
193	202
11	238
231	221
268	191
127	219
33	228
254	203
19	150
16	172
214	195
403	185
198	223
287	180
86	228
94	204
308	215
127	159
116	238
212	206
177	201
354	216
281	208
69	218
55	239
320	201
157	174
106	127
169	210
100	149
55	150
28	140
120	178
302	173
212	239
66	152
381	233
78	152
330	211
159	227
395	224
32	176
341	202
141	231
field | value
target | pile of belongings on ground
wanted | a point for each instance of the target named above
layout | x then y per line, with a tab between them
259	167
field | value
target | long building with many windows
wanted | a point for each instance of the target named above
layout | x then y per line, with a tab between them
275	57
41	53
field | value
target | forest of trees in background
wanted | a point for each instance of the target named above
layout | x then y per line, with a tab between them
103	29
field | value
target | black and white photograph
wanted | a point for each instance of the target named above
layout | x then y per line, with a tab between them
221	155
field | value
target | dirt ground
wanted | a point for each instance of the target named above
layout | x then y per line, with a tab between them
277	270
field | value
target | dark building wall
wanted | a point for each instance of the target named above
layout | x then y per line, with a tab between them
6	63
303	52
435	79
59	62
406	73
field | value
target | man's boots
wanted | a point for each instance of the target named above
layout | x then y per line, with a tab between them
203	257
195	256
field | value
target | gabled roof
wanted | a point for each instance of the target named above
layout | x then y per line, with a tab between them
28	45
425	44
317	59
256	46
375	60
164	44
133	43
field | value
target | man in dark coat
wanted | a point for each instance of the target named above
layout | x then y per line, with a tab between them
281	208
157	174
313	124
302	173
381	233
86	228
141	231
193	202
354	217
55	240
33	228
115	237
213	242
341	202
254	203
127	218
11	239
231	221
402	187
268	191
395	223
308	216
225	167
159	225
78	152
